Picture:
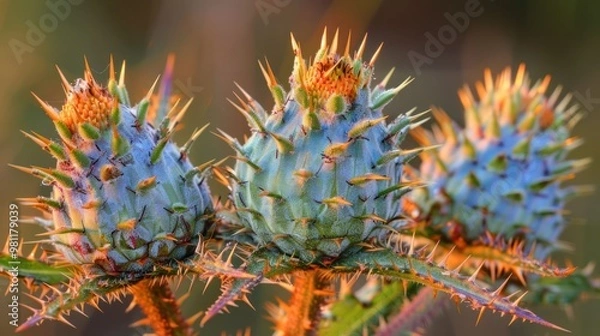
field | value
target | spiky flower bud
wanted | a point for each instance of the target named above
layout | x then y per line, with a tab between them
122	198
499	179
321	174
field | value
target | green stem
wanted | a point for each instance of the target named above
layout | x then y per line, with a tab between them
361	311
163	313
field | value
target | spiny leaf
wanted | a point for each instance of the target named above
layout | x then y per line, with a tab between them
409	267
234	291
511	258
76	293
500	257
35	270
262	264
80	290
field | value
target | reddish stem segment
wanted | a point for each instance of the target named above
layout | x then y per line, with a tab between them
162	311
303	310
414	314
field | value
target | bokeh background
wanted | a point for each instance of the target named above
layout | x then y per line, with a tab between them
219	42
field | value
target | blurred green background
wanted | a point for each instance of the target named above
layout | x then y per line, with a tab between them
219	42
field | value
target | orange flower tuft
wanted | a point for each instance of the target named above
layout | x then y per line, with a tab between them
87	102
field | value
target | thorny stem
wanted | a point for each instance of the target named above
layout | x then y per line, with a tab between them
162	311
303	310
